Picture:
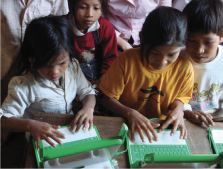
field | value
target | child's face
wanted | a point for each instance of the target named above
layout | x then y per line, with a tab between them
202	48
87	13
162	56
54	70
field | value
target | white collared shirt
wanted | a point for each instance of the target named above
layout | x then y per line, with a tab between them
93	27
28	94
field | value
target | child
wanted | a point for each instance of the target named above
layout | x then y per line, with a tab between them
151	81
95	39
205	33
49	80
128	16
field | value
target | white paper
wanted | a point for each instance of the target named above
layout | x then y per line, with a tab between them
217	136
164	138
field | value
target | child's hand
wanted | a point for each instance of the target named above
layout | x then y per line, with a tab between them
176	118
199	117
42	130
140	123
85	115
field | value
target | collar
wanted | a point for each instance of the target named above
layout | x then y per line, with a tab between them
93	27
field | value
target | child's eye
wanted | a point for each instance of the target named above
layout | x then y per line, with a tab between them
82	7
172	54
97	8
209	42
62	63
154	53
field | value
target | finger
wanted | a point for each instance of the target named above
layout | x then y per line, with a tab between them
204	120
80	122
85	124
175	126
37	143
182	131
55	138
209	119
166	124
146	129
150	127
185	133
49	141
140	133
58	133
148	135
154	125
55	126
90	124
133	132
74	122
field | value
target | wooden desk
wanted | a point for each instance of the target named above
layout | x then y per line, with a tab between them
110	126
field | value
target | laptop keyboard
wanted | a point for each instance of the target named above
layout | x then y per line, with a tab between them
139	151
219	147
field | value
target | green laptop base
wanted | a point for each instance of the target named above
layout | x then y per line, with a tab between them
50	157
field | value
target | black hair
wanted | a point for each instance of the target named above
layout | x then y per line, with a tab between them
205	16
73	4
45	39
163	26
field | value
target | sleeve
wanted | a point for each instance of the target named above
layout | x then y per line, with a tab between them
108	43
84	87
117	33
60	7
165	3
186	89
17	100
113	82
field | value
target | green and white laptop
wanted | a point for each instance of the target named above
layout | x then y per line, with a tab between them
84	149
216	136
166	145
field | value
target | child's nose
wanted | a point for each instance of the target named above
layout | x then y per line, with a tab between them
199	49
162	61
90	12
54	71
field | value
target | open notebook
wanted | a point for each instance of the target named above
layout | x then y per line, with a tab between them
166	145
84	149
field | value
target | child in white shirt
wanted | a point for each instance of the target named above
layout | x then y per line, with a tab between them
205	33
49	78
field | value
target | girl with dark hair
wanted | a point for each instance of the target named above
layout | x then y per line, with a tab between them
49	80
152	81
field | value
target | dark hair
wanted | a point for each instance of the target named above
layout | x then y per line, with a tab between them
45	39
205	16
163	26
73	4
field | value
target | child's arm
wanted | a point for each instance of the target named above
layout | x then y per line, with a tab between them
136	120
198	117
39	130
176	117
85	115
123	44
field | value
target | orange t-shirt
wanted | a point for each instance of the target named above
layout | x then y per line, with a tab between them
151	92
